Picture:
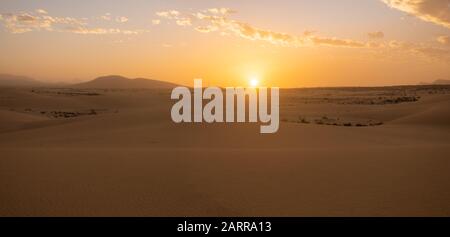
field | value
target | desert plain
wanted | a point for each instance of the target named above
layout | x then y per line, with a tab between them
86	151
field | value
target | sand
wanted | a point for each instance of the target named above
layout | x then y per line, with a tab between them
113	152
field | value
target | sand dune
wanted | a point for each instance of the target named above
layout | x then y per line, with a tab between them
16	120
130	159
437	113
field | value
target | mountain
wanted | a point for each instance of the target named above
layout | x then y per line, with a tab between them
119	82
13	80
441	82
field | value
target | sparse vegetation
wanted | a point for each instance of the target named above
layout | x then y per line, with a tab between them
346	122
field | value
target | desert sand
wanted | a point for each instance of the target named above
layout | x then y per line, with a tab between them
115	152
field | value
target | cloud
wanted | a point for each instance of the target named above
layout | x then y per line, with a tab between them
375	35
327	41
435	11
175	15
109	17
217	19
99	31
433	52
168	14
444	39
121	19
184	22
206	29
156	22
106	17
247	31
420	49
23	22
223	11
41	11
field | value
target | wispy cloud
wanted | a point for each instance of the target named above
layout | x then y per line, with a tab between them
436	11
206	29
420	49
106	17
40	20
121	19
220	20
109	17
184	21
168	14
250	32
222	10
156	22
217	20
41	11
327	41
26	21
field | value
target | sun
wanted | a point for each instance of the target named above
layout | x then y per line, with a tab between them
254	82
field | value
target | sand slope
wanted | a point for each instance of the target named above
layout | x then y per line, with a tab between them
128	158
436	113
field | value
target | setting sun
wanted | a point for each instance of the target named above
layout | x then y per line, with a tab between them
244	109
254	82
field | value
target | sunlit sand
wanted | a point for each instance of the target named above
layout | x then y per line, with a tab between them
338	152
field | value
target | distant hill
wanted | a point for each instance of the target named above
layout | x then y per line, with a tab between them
119	82
436	82
441	82
13	80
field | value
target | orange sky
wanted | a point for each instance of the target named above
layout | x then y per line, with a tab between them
283	43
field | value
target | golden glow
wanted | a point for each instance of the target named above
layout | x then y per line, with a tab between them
254	82
258	51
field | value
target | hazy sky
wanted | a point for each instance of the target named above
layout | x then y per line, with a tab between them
227	42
